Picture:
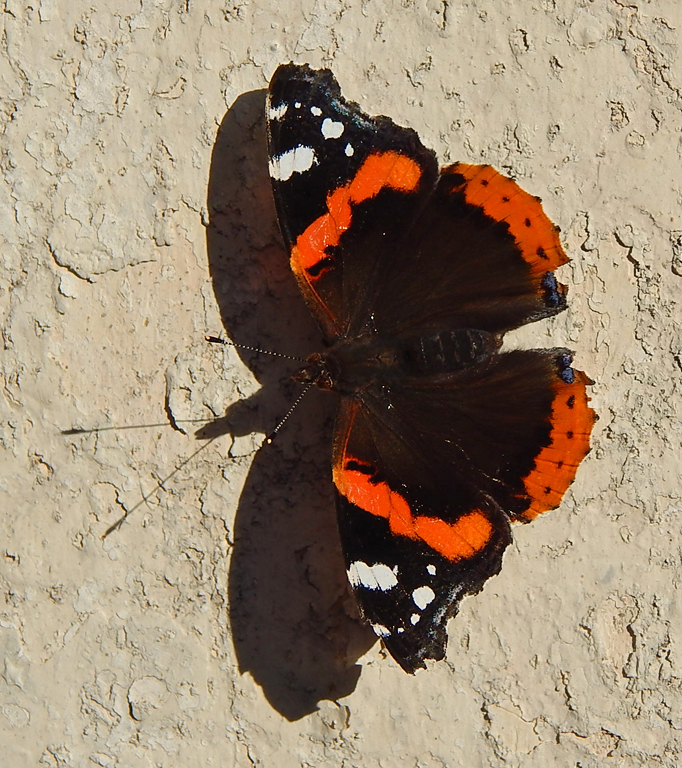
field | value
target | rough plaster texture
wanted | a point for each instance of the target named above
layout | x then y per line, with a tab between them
215	627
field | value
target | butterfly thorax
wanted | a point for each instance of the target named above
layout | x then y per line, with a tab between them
353	364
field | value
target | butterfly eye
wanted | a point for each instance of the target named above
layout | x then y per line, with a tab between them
324	381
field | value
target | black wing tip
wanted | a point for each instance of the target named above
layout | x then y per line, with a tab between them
304	73
411	652
286	76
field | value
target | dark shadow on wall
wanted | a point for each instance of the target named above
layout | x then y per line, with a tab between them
293	619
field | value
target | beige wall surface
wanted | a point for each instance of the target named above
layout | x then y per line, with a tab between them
215	627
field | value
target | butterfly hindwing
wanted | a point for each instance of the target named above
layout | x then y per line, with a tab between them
514	426
485	253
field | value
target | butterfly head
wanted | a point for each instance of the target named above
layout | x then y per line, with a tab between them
318	370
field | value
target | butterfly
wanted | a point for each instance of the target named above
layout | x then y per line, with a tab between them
442	440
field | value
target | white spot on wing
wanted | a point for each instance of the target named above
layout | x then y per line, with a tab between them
349	150
414	618
315	111
297	105
423	596
400	630
381	630
377	576
277	113
331	129
431	569
296	160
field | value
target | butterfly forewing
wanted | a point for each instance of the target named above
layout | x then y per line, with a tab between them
347	187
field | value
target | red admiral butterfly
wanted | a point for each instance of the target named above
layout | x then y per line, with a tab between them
414	275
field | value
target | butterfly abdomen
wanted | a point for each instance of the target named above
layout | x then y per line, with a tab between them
445	351
353	365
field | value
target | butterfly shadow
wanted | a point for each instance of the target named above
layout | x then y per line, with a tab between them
294	622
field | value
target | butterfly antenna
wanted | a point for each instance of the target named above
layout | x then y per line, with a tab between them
270	438
216	340
159	486
161	483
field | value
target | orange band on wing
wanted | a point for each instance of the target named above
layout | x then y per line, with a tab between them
503	200
461	539
379	171
456	541
556	464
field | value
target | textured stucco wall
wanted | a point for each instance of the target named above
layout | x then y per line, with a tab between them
215	627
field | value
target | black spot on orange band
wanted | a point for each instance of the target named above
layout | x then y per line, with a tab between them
502	199
555	466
